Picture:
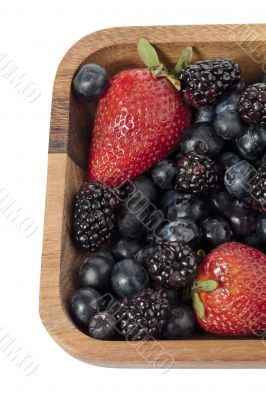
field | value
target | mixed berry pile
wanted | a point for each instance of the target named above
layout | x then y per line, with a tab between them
176	192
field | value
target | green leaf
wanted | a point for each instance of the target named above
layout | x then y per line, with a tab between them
205	286
198	306
147	53
184	60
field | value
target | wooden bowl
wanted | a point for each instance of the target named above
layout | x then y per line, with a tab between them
115	49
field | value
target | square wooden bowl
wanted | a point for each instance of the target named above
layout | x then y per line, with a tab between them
115	49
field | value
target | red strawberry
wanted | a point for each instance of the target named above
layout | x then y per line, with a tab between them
139	120
230	292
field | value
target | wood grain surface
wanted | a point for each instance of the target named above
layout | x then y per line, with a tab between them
68	149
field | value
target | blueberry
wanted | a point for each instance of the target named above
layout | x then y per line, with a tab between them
174	296
168	197
180	322
242	218
95	272
201	138
143	254
228	103
221	202
259	131
90	82
238	177
102	326
125	248
216	231
181	230
84	304
228	125
254	241
164	173
261	229
263	160
105	254
130	223
187	206
141	188
228	159
128	278
149	238
250	145
205	114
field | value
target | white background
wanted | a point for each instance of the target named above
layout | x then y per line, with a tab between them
35	35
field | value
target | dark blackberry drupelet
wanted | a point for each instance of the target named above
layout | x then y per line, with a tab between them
204	82
258	189
196	174
94	215
144	315
252	104
172	265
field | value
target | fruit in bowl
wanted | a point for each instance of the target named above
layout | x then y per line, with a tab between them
176	192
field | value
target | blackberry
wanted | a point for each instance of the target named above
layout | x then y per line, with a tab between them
144	315
172	265
196	174
258	189
204	82
94	215
252	104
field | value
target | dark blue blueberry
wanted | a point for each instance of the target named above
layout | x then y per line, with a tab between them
96	272
84	304
201	138
228	159
216	231
125	248
129	277
102	326
263	160
237	179
90	82
221	202
180	323
130	221
205	114
261	229
250	145
143	254
187	206
164	173
228	125
242	218
168	198
105	254
227	103
181	230
254	241
140	189
260	131
174	296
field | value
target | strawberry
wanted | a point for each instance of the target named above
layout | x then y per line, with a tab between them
139	121
229	295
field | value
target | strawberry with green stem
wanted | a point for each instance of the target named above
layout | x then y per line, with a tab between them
139	120
229	295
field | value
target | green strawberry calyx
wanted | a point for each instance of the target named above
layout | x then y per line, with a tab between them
198	287
150	58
